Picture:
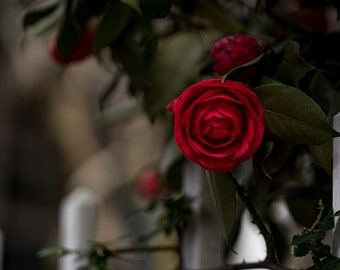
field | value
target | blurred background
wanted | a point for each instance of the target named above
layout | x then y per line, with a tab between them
50	142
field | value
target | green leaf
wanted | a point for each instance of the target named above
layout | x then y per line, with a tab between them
44	24
39	11
322	91
327	223
235	72
331	263
175	66
70	31
115	20
293	67
224	197
299	250
168	166
48	251
306	235
155	8
275	156
134	4
323	156
212	11
293	117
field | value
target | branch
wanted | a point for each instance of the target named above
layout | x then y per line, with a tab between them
137	249
263	264
271	258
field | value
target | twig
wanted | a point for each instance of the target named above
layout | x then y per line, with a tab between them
255	265
271	258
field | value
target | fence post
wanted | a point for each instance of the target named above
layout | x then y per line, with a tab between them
336	187
78	221
202	240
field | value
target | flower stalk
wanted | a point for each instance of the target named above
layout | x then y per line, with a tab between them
271	257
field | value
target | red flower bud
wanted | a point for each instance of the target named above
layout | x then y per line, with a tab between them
233	51
81	50
149	184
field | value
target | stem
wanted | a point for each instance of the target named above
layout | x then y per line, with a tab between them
271	253
317	221
262	264
136	249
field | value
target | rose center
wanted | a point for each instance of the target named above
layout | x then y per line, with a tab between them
217	128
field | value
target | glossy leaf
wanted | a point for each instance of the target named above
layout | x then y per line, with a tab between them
171	156
75	21
39	11
235	72
53	250
224	197
109	30
70	32
180	60
322	91
155	8
212	11
274	157
293	117
133	4
292	67
323	156
44	24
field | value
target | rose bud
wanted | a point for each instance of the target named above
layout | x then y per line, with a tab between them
81	50
149	184
218	125
233	51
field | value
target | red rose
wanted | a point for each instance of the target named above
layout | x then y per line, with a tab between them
218	125
233	51
81	50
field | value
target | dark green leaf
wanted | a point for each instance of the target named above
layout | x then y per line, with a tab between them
306	235
234	73
115	20
293	117
44	24
39	11
212	11
70	31
169	164
224	197
60	251
293	67
327	223
299	250
322	91
275	155
133	4
155	8
331	263
176	65
323	156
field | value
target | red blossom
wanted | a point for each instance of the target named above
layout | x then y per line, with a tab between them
218	125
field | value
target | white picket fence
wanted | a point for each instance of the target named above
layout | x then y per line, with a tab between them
202	242
79	213
336	186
